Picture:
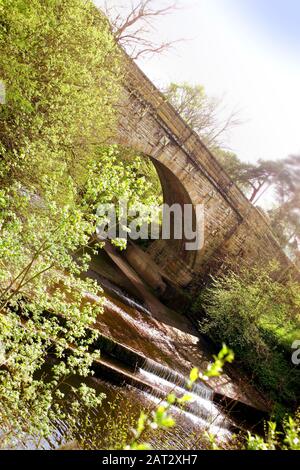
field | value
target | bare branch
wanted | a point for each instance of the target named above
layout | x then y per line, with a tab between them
133	26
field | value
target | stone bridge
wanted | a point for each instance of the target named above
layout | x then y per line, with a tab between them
235	231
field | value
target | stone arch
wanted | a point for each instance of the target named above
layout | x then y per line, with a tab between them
170	255
174	192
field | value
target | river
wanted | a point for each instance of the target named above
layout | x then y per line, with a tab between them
145	355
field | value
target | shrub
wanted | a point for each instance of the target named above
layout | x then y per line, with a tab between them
258	317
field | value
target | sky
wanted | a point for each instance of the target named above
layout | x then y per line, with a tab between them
246	52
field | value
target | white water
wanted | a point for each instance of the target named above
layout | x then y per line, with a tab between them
201	410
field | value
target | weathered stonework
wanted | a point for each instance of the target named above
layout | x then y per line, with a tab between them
234	229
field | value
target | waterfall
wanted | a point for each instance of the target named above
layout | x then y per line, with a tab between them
172	377
114	290
201	410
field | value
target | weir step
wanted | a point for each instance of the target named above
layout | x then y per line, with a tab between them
120	364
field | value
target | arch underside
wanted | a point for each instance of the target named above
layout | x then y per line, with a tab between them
171	255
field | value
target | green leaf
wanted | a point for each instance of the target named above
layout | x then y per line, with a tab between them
194	374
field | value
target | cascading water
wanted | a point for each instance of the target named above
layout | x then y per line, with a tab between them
130	333
200	410
111	288
168	338
166	374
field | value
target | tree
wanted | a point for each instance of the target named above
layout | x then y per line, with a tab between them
283	178
235	168
133	25
62	72
62	80
200	112
260	176
285	216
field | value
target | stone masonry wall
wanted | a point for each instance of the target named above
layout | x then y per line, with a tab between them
234	229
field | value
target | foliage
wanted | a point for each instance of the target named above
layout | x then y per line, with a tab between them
285	215
120	180
41	258
287	439
61	68
62	72
200	112
145	170
233	166
283	178
215	369
258	316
